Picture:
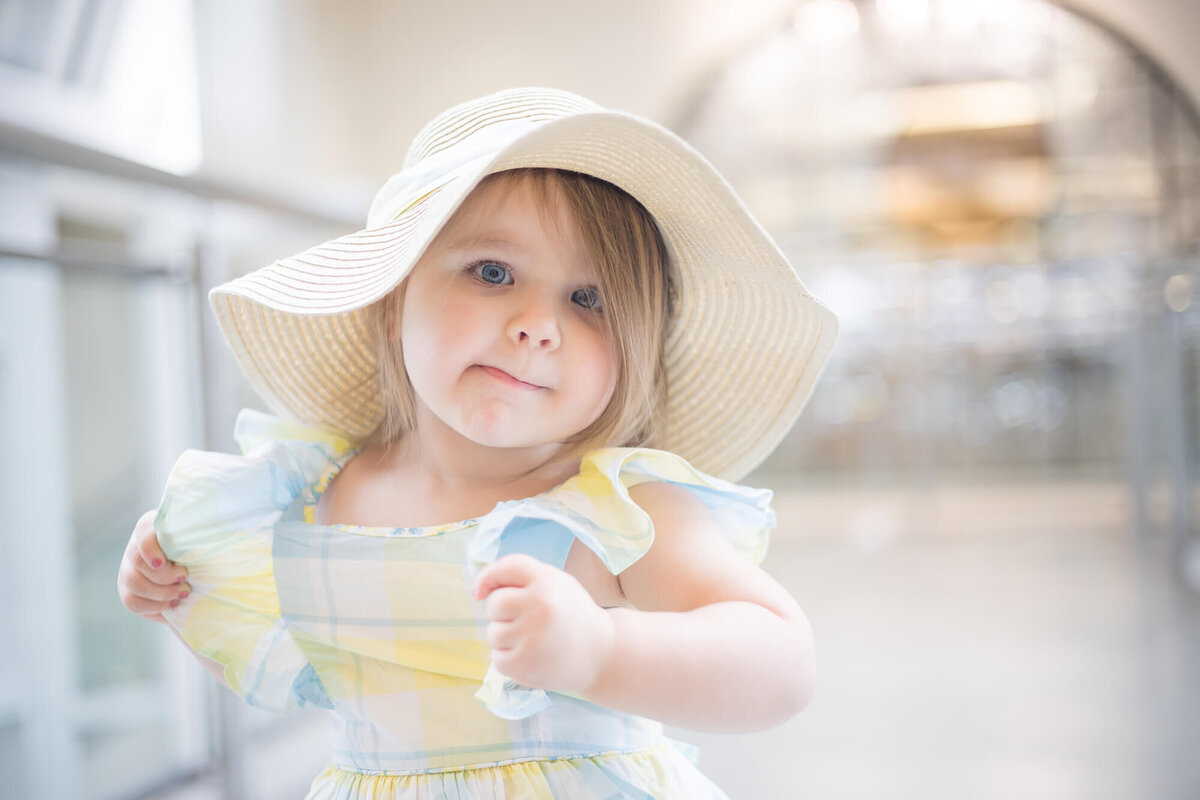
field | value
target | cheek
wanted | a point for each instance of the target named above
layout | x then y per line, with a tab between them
420	343
434	330
600	366
611	369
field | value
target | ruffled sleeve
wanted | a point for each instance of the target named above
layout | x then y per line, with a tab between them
596	508
216	518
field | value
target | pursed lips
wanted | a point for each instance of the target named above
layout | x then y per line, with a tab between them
505	377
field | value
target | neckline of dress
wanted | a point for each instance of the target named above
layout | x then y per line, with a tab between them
314	491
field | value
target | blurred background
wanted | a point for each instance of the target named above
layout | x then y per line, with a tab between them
989	509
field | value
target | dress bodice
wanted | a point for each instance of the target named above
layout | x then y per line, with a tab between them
378	625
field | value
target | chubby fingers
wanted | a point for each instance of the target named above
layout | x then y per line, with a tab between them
503	585
142	596
516	571
503	635
144	588
146	540
148	558
165	583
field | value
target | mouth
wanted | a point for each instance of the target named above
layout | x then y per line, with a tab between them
505	378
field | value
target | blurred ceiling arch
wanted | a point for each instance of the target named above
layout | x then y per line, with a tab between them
1149	30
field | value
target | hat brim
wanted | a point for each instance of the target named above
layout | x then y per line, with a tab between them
743	354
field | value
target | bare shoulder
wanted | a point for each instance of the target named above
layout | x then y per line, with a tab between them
691	563
343	498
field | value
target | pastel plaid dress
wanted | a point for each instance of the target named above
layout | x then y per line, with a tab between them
377	625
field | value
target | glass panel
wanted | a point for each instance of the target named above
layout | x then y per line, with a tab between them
106	405
26	31
126	715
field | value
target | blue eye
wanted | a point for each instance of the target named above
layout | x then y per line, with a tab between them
588	297
493	273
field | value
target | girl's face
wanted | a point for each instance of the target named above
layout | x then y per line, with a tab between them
502	325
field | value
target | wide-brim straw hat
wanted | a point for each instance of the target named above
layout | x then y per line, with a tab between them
743	352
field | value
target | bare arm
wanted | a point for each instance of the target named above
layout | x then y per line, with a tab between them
725	667
713	642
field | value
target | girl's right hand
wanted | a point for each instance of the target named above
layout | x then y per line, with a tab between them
147	582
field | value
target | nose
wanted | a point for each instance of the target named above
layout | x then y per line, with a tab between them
535	326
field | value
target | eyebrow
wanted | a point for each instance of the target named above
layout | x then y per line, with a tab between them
487	240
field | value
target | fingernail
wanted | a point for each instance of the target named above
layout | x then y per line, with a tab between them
181	579
156	563
183	594
174	603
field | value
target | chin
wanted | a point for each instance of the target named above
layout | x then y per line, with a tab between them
502	428
499	437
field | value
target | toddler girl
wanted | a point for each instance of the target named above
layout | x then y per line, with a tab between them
493	528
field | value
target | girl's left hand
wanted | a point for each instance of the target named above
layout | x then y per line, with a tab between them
545	630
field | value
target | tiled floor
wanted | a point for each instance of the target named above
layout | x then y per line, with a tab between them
982	641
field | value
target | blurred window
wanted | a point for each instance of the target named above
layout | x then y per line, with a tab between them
1002	204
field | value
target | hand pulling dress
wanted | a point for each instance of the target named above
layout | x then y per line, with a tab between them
378	626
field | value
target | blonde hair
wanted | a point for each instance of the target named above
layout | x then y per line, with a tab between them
634	274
